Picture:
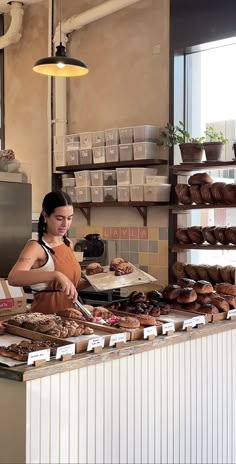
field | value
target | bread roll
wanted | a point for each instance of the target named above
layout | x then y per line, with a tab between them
229	193
196	195
217	191
187	295
230	233
200	178
206	194
182	236
230	299
203	299
203	286
220	303
209	235
171	292
196	235
185	282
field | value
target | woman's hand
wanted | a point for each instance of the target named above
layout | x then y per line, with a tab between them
66	286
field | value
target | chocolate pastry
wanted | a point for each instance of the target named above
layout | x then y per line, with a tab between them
200	178
183	194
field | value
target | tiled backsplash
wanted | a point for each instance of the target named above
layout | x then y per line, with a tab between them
145	247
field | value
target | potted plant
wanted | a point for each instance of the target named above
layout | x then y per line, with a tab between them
213	145
191	148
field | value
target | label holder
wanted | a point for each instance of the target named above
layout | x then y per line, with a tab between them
231	315
39	363
97	349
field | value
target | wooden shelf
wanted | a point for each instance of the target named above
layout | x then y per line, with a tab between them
117	164
212	165
203	206
140	206
179	247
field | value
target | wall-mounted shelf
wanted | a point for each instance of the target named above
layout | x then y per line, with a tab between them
141	207
185	168
203	206
117	164
179	247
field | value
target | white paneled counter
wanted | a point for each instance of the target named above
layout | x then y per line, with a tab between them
171	400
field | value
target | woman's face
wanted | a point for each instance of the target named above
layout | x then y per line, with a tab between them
60	220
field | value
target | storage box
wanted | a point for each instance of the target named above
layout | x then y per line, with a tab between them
155	180
112	153
136	192
97	194
85	140
83	194
145	150
123	176
157	192
126	152
86	156
111	136
96	178
110	193
72	157
11	177
82	179
71	146
99	155
68	182
72	138
138	175
109	177
146	133
123	193
126	135
12	299
72	193
59	158
98	139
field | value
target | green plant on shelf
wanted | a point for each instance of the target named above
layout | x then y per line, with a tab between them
213	136
177	135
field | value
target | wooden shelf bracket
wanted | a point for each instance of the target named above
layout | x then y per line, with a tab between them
87	214
143	213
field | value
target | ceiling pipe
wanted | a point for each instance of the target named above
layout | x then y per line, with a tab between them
69	25
13	33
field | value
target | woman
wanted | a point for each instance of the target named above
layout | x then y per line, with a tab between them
48	265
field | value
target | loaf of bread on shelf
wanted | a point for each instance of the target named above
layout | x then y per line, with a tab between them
226	288
229	193
220	302
202	270
203	286
206	194
178	269
226	274
185	282
195	234
183	194
230	233
187	295
191	271
171	292
214	273
217	191
200	178
209	235
196	195
220	235
182	236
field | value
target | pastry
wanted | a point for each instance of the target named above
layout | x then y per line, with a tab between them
182	236
165	308
208	309
203	286
220	303
196	195
191	271
217	191
226	288
129	322
171	292
145	319
195	235
72	313
99	311
206	194
178	269
94	268
187	295
183	194
137	297
229	193
185	282
115	262
200	178
209	235
156	311
155	295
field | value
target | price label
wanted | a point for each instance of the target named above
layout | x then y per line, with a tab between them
198	320
42	355
150	331
230	313
95	342
117	338
169	327
67	349
187	323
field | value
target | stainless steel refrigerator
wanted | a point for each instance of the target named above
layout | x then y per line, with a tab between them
15	222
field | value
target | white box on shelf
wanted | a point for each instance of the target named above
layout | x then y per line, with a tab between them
126	152
123	176
110	193
123	193
99	155
155	180
83	194
86	156
136	192
72	138
82	179
126	135
112	153
98	139
145	150
109	177
138	175
11	177
146	133
71	146
157	193
96	178
97	194
112	136
72	193
72	157
68	182
59	158
85	140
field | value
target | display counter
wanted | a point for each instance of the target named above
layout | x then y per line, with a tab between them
161	401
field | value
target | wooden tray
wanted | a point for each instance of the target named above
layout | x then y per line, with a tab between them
209	317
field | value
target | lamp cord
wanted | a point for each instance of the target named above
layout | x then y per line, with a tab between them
60	18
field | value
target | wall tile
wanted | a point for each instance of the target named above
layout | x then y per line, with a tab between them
153	270
133	245
144	268
124	245
152	259
153	233
162	275
143	233
134	258
163	246
163	233
133	233
162	259
115	233
93	230
143	259
124	233
143	245
125	255
106	233
153	246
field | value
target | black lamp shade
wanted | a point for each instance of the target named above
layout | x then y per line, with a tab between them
60	65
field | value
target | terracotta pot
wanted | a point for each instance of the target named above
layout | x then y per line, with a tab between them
213	150
191	152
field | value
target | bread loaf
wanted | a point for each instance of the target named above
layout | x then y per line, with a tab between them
209	235
196	235
217	191
229	193
183	194
195	193
182	236
230	234
206	194
226	288
220	235
200	178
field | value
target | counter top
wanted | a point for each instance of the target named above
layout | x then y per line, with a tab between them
23	373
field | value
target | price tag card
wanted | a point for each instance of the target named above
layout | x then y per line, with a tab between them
117	338
198	320
152	330
63	350
230	313
188	323
42	355
169	327
95	342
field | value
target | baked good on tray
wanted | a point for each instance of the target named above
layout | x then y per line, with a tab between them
145	319
94	268
187	295
20	351
226	288
203	286
123	269
208	309
200	178
171	292
115	262
129	322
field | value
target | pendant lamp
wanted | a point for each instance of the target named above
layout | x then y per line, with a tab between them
60	65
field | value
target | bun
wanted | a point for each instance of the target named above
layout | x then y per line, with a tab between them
220	303
185	282
94	268
171	292
206	194
226	288
196	235
115	262
196	195
187	295
209	309
229	193
217	191
203	286
200	179
209	235
183	194
182	236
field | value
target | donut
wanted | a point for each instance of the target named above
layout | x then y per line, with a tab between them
187	295
203	286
